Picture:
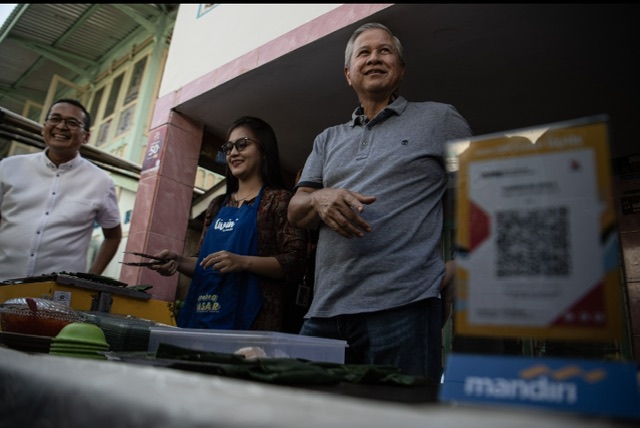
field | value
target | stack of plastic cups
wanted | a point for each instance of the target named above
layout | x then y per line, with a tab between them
80	340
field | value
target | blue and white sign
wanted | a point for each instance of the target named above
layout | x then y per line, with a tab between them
581	386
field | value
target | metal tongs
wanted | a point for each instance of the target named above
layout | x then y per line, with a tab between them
155	260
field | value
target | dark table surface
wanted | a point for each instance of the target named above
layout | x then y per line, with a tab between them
61	391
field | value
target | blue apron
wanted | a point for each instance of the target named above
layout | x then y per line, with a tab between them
225	301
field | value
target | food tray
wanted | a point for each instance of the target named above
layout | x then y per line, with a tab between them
42	317
124	333
25	342
266	344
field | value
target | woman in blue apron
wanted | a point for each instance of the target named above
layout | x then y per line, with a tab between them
248	252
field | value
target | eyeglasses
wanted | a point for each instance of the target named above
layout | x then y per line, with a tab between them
71	123
240	145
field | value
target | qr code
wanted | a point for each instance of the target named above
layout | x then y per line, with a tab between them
533	242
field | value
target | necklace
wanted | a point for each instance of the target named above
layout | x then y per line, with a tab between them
249	196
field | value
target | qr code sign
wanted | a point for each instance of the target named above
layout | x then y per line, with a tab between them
533	242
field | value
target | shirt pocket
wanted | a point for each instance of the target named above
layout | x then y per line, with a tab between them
77	211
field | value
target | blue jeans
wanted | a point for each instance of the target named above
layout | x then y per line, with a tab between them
408	337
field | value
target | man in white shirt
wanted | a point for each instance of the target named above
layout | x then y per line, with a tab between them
50	201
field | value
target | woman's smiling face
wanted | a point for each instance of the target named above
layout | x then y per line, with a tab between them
247	162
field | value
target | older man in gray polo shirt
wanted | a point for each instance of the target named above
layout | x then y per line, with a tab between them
374	187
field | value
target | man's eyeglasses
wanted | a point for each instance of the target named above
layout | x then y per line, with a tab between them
240	144
71	123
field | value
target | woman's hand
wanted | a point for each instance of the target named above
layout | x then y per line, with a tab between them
224	262
169	268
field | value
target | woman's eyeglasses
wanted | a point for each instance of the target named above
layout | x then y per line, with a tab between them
71	123
240	144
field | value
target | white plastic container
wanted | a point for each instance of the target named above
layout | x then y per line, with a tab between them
273	344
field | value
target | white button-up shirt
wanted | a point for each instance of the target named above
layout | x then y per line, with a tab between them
47	214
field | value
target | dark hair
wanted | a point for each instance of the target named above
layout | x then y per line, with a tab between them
87	116
370	26
268	148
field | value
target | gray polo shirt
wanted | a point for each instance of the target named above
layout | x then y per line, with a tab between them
397	157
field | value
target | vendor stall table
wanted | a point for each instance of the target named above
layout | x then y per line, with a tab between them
47	390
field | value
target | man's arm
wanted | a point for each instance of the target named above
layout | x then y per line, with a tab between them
112	238
339	209
301	212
